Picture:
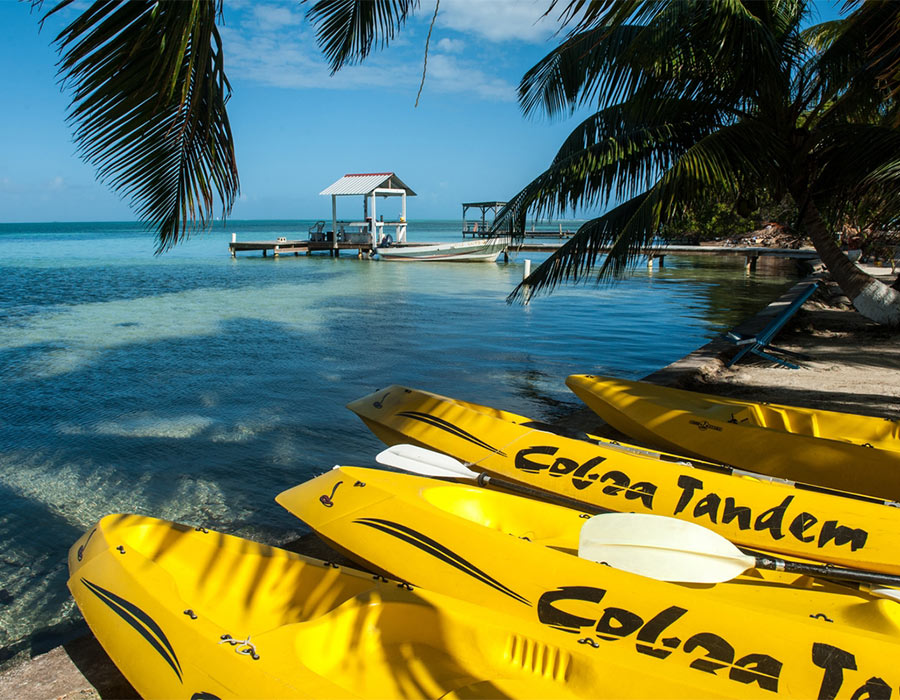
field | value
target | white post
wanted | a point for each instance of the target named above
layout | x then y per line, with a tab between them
402	232
334	218
527	289
374	231
234	238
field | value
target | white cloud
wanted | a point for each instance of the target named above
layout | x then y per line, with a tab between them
448	45
272	45
287	60
272	17
448	74
499	20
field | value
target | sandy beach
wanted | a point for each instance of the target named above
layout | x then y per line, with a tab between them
852	365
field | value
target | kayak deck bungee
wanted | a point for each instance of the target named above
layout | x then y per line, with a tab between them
836	450
757	633
186	612
794	521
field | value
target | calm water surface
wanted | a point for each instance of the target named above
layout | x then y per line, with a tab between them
195	387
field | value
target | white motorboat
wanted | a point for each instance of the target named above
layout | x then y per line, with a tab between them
475	250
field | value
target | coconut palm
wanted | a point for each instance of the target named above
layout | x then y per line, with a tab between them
149	95
714	100
148	107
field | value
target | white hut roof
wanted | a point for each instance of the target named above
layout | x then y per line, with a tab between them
365	183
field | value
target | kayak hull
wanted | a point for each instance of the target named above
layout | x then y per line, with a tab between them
835	450
499	550
793	521
190	613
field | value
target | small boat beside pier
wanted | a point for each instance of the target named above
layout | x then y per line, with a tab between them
372	235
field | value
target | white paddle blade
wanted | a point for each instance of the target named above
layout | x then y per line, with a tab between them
663	548
889	593
418	460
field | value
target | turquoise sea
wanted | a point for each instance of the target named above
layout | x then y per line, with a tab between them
194	387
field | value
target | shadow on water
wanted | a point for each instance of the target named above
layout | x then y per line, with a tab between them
204	448
201	407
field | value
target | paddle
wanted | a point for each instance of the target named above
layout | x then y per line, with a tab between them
669	549
419	460
656	546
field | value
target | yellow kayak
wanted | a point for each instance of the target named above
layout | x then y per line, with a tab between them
836	450
775	634
792	520
189	613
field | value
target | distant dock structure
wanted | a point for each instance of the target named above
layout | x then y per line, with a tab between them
473	228
362	235
477	228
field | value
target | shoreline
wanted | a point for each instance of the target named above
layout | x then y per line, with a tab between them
854	366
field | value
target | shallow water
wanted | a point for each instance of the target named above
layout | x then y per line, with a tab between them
195	387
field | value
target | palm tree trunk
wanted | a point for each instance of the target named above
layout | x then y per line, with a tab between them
871	297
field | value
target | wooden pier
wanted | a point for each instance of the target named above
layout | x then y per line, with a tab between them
750	254
296	247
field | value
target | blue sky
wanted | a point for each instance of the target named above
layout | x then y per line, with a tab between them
296	128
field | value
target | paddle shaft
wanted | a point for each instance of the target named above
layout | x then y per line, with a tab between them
823	570
762	561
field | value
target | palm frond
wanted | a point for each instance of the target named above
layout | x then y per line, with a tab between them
148	106
821	36
720	164
718	50
583	15
578	256
347	30
880	22
858	163
583	65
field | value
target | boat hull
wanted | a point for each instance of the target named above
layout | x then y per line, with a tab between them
827	448
166	601
477	250
794	521
750	637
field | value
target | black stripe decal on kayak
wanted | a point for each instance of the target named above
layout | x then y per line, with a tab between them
439	551
141	621
450	428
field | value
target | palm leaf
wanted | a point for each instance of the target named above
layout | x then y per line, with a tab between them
347	30
717	51
859	165
720	164
579	255
148	106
